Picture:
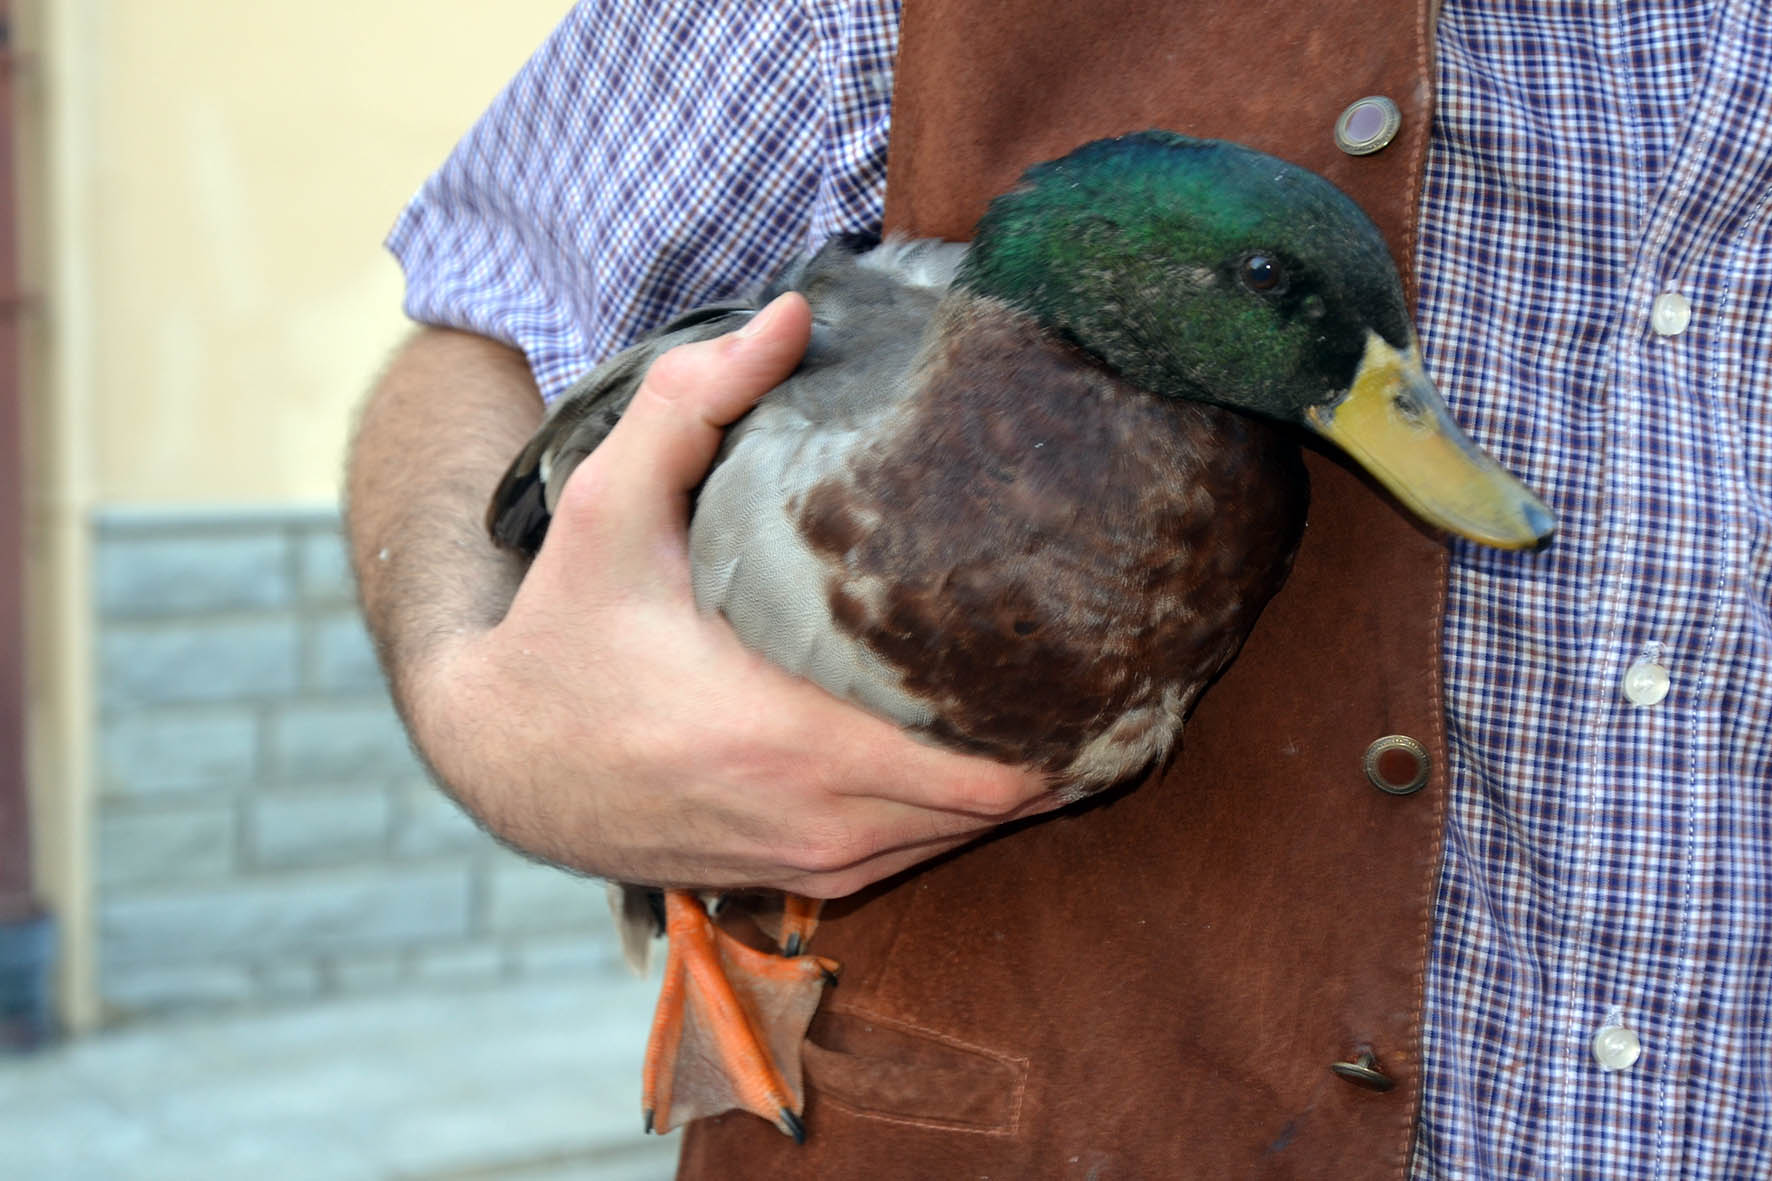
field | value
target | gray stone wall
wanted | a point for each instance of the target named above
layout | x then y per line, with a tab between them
264	832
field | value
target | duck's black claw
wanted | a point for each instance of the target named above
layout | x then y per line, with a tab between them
649	1121
793	946
790	1123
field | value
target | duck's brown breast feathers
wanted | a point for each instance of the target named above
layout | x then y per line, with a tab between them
1055	560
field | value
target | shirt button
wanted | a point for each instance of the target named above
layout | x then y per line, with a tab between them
1672	313
1645	683
1616	1048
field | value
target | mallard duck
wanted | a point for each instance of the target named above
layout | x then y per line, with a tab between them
1026	498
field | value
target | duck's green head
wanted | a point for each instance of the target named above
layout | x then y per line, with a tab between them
1206	270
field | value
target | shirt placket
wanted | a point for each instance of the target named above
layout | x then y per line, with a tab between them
1652	783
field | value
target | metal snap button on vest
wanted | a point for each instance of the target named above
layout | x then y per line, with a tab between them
1397	764
1367	125
1363	1071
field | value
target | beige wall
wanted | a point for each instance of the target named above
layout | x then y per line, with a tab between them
241	164
204	189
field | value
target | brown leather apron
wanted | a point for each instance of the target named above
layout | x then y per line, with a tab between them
1155	984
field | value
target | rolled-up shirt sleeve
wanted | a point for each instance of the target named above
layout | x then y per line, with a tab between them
649	157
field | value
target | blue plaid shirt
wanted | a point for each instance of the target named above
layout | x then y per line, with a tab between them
1596	302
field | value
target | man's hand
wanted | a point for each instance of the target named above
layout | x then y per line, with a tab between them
604	723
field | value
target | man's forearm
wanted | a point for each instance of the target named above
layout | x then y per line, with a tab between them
435	434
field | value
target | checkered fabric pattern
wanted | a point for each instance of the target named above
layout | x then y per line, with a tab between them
652	155
1607	864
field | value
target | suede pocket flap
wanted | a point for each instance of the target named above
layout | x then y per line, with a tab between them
891	1070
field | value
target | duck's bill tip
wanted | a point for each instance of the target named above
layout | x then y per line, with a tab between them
1395	425
1544	524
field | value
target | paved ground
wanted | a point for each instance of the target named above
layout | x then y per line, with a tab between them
530	1082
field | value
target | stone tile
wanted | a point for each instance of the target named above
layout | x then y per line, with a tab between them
327	827
216	661
589	953
341	658
157	752
324	568
339	740
286	980
429	822
367	972
273	917
191	574
653	1159
169	844
494	1135
524	897
473	963
133	989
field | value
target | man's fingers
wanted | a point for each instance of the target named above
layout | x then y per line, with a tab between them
895	767
862	756
661	448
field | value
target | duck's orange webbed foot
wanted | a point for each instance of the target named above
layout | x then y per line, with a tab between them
799	919
729	1023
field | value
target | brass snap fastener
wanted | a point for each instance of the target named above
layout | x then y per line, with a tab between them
1363	1071
1397	764
1367	125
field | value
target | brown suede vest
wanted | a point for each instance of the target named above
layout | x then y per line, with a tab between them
1156	984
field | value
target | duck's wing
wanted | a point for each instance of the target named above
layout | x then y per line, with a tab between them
848	291
581	418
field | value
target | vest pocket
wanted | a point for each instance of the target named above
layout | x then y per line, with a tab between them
895	1071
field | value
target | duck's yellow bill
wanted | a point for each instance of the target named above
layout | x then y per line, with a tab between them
1396	426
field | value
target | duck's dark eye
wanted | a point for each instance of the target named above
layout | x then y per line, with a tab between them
1262	274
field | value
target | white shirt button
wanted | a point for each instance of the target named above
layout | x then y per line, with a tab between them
1672	313
1645	682
1616	1048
